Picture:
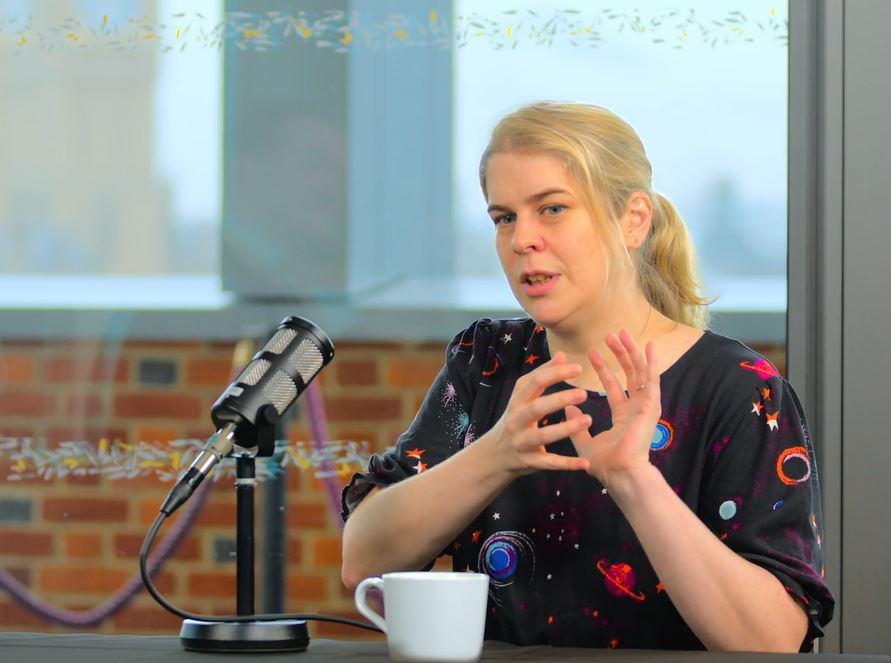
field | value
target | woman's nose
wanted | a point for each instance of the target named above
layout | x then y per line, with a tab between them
527	236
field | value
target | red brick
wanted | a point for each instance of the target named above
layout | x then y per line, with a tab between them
83	545
356	373
342	631
11	614
356	435
205	371
148	619
307	587
165	582
73	369
294	551
414	372
22	574
326	552
26	404
93	579
56	436
171	406
128	545
307	515
84	405
211	584
16	369
83	479
217	514
21	542
359	408
69	509
157	435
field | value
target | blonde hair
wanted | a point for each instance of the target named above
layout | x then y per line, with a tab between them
606	157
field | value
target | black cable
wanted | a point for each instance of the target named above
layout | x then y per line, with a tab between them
149	585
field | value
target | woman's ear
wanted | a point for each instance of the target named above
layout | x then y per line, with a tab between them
636	219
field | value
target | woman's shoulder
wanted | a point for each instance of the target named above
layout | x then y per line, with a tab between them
490	341
720	360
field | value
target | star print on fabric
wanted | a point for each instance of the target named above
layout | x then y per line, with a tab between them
603	492
538	329
613	643
576	546
551	620
415	453
496	516
506	338
549	577
531	359
660	588
558	493
475	537
765	394
756	408
553	515
772	420
420	467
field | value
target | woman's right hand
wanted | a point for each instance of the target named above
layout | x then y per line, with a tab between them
517	434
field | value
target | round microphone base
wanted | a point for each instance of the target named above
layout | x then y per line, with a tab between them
287	635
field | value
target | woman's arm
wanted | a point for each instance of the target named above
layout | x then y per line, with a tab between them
407	524
727	601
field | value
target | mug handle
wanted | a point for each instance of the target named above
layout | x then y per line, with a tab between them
362	606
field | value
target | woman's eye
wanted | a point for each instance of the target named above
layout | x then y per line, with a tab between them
503	219
553	210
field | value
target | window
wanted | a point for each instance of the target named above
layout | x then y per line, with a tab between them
703	83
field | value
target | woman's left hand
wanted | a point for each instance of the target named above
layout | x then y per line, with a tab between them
626	446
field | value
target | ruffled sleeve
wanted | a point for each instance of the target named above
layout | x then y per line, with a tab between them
761	493
439	429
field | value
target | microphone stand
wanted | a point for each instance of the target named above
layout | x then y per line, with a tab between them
287	635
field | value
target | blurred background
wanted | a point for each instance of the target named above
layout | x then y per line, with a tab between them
178	176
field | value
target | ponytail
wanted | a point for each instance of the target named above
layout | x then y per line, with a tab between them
666	268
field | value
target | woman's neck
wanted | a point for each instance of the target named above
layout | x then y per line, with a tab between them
638	317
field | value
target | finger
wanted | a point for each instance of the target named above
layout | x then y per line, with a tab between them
558	462
621	354
615	395
638	361
545	405
532	439
533	384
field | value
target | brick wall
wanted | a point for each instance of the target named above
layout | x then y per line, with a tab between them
74	540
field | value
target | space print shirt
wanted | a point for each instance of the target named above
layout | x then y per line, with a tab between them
565	566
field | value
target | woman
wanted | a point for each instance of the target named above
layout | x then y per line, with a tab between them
651	488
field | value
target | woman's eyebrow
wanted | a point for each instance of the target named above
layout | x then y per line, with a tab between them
531	199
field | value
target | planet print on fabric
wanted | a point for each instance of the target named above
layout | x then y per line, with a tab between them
507	557
620	579
762	367
663	436
727	510
799	474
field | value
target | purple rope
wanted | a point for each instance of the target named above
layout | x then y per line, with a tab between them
318	431
91	617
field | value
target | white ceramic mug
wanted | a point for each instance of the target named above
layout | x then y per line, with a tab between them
430	616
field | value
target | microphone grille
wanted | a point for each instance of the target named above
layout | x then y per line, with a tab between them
281	391
307	360
254	372
280	340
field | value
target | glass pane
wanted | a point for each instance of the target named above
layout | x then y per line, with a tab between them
703	83
110	135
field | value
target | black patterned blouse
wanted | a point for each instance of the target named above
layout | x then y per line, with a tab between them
565	566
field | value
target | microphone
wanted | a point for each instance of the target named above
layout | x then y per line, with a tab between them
246	411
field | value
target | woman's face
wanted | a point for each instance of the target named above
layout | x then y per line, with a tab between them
552	256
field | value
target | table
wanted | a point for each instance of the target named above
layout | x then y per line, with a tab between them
92	648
